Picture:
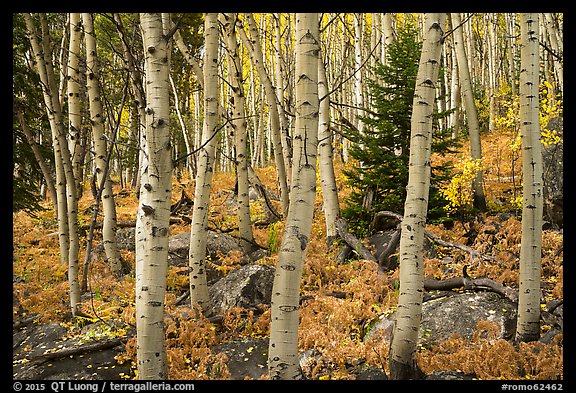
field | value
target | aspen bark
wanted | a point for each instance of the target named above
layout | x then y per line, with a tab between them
528	325
558	48
325	159
255	50
154	206
65	181
74	77
100	148
404	343
206	161
470	110
239	125
283	350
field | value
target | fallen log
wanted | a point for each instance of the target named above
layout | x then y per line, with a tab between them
469	283
352	241
77	350
474	254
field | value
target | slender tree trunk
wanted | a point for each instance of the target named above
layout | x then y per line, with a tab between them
530	251
283	351
557	47
100	148
206	161
154	206
325	159
255	50
67	197
471	111
74	76
404	343
284	126
239	125
510	48
138	94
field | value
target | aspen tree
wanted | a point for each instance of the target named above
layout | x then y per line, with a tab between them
556	43
325	159
154	206
256	56
528	326
138	94
100	148
470	110
408	317
206	161
73	93
65	181
239	125
283	349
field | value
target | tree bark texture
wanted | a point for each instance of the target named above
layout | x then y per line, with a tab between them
154	206
239	125
283	351
532	203
331	206
65	181
206	160
404	344
256	55
100	148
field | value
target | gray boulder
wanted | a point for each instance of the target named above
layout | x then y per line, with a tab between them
456	313
247	287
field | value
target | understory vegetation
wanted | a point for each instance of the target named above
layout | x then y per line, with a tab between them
334	326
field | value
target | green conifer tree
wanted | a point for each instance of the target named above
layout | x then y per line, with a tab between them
383	145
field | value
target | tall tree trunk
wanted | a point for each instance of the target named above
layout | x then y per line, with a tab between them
404	343
100	148
154	206
74	77
325	159
470	109
255	49
206	161
137	93
67	197
558	48
283	351
530	250
239	125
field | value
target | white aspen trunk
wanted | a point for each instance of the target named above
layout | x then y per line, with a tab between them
185	135
470	109
358	71
74	77
68	201
325	159
388	31
283	350
492	72
510	45
239	125
528	325
154	206
557	47
139	98
284	126
404	343
255	49
206	161
100	148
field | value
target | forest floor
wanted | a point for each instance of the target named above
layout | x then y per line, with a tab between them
331	325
